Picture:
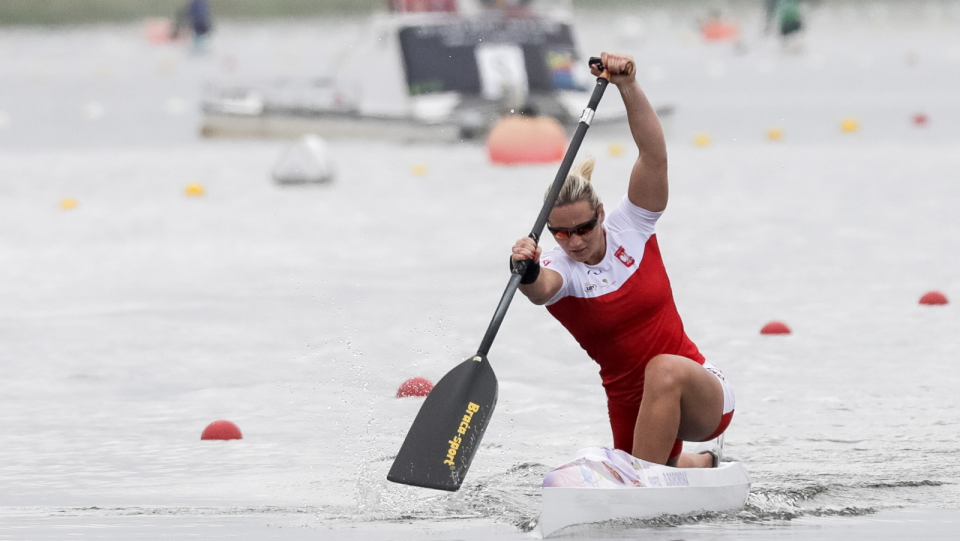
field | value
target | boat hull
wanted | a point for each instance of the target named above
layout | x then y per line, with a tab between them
604	484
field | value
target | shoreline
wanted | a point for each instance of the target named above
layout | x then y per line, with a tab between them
71	12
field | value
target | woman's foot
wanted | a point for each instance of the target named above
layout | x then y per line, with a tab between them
712	448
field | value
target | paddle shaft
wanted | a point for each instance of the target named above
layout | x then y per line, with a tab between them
521	266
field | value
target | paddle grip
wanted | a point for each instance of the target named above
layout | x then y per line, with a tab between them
596	62
520	266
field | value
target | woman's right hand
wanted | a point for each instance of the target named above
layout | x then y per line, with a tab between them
621	67
526	248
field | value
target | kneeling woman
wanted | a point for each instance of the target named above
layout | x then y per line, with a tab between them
606	284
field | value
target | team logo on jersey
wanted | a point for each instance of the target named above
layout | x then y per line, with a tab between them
546	262
624	257
587	288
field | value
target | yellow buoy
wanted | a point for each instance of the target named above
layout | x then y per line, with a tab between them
68	204
615	149
849	125
775	134
702	140
194	190
419	170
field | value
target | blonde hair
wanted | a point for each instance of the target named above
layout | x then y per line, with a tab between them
578	187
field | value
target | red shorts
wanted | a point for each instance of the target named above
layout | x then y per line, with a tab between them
623	420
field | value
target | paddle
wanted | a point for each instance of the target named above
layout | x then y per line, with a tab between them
440	445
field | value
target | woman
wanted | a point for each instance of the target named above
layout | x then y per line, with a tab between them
606	284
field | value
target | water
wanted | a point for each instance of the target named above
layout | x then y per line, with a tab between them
129	323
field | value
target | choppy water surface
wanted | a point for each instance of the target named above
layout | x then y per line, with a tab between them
132	321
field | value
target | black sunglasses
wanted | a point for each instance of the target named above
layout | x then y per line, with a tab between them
579	229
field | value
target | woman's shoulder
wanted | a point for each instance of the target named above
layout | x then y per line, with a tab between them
627	216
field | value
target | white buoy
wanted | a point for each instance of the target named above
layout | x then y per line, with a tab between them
176	106
308	160
94	110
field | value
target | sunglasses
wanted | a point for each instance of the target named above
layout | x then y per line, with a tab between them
579	229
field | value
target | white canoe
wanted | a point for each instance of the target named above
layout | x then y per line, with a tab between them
604	484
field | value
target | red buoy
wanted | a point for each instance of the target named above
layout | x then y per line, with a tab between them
775	327
519	139
221	430
933	298
415	387
920	119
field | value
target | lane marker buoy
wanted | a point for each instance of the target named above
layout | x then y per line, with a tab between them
415	387
615	149
701	140
920	120
933	298
68	204
418	170
194	190
221	430
775	327
775	134
849	125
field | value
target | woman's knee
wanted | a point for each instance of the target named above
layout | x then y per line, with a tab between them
664	374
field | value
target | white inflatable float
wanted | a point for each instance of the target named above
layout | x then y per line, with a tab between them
604	484
309	160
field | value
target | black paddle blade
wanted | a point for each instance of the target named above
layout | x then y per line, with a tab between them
447	431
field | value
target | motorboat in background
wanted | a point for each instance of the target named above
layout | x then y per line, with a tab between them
430	70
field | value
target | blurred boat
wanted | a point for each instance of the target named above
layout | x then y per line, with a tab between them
432	70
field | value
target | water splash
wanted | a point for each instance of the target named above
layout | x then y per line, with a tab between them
514	497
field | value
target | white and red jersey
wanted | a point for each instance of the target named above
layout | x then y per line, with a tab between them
621	310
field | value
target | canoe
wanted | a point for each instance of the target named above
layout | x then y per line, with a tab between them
604	484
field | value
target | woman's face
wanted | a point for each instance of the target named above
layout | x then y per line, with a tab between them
571	227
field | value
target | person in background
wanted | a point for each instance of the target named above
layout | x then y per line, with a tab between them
787	14
195	15
200	22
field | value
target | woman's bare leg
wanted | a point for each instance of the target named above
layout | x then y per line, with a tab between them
681	400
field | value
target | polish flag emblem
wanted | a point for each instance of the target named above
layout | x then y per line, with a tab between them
624	257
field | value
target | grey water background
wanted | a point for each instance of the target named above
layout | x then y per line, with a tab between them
130	322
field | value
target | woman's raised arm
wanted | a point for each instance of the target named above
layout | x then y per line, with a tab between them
648	181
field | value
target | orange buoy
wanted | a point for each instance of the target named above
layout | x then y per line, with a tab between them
221	430
933	298
415	387
158	30
717	30
775	327
521	139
